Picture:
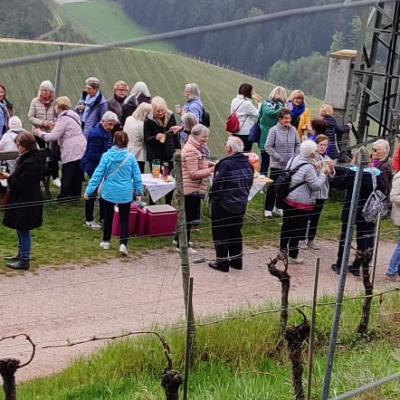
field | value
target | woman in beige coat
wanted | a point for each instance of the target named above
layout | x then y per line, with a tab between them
196	170
393	270
134	128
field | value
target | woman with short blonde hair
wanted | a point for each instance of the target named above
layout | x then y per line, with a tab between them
301	115
334	131
134	129
161	135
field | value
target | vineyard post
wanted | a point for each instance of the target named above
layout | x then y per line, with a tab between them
57	80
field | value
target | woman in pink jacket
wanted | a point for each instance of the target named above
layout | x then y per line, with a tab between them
68	133
196	170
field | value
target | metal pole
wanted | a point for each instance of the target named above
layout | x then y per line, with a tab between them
189	341
376	248
343	272
366	388
58	71
182	235
312	329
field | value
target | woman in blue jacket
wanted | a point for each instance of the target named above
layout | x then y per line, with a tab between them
119	176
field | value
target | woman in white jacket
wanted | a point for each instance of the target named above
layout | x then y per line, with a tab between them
134	128
247	113
7	141
393	270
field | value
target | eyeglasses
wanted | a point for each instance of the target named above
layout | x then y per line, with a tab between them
374	150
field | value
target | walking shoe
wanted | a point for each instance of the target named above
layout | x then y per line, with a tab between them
12	258
93	225
23	265
277	212
219	267
105	245
267	214
312	245
123	250
174	242
292	260
57	182
335	269
192	251
303	245
392	278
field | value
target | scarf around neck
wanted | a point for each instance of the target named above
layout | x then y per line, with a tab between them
47	99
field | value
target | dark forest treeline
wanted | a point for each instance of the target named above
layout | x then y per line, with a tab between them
24	18
255	48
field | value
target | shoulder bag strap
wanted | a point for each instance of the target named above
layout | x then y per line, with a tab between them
118	168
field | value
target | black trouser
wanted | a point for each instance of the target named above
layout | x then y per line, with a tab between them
141	166
169	196
227	236
71	180
365	237
314	219
264	163
54	158
89	207
123	210
293	229
270	198
245	139
192	212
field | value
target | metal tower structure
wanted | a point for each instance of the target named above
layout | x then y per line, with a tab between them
374	94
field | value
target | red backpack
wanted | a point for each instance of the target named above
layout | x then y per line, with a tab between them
232	124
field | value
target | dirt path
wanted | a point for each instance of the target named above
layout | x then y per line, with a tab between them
77	303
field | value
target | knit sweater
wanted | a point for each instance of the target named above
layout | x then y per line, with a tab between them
282	144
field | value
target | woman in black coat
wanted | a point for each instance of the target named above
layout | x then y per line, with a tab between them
161	135
24	209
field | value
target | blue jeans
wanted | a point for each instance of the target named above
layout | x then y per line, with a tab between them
394	265
24	244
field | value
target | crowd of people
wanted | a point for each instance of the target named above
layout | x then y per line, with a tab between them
111	140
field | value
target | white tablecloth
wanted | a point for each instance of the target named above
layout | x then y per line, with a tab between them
158	188
258	185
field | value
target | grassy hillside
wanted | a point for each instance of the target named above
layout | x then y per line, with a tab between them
104	21
165	74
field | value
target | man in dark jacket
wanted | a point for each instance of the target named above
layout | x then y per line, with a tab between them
99	141
233	178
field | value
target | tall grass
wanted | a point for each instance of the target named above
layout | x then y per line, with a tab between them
234	360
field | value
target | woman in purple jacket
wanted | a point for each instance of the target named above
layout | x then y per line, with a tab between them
68	133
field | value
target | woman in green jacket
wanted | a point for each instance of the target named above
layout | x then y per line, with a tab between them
269	113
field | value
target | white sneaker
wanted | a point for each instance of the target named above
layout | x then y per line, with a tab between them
174	242
57	182
105	245
192	251
267	214
303	245
123	250
277	212
93	225
292	260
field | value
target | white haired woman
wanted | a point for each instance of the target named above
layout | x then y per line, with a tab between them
139	94
67	132
98	142
42	115
134	128
304	187
161	135
193	103
233	178
196	170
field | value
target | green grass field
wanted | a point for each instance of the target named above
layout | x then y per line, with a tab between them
103	21
166	75
234	361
